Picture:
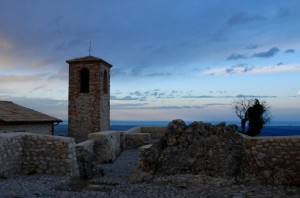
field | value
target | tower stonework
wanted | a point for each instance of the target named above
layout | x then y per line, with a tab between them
89	96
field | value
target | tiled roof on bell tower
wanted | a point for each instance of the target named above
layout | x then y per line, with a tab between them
88	59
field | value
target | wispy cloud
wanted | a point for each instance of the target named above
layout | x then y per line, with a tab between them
19	78
243	18
145	106
252	46
144	95
62	74
290	51
237	96
6	44
157	74
253	96
251	69
267	54
296	96
236	56
53	107
128	106
203	96
126	98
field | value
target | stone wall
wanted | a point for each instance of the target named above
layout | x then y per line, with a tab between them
44	128
274	160
49	154
135	140
11	153
31	153
156	132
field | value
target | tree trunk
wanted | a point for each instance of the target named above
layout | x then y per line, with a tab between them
243	124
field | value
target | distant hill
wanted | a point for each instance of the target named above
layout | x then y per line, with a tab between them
267	131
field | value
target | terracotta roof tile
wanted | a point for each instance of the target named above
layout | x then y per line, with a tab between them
13	113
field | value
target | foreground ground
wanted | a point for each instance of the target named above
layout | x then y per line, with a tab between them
116	183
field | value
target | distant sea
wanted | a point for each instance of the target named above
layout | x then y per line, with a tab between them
274	129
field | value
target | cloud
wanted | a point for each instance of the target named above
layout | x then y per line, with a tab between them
240	69
157	74
125	98
175	107
296	96
62	74
144	106
20	78
53	107
117	72
217	104
235	56
145	95
290	51
6	44
243	18
283	12
267	54
219	36
251	46
128	106
237	96
201	96
253	96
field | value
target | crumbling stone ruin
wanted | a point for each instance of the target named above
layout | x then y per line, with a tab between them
200	149
220	151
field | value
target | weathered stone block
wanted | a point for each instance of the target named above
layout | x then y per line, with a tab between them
106	145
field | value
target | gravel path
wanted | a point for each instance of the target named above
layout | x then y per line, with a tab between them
115	184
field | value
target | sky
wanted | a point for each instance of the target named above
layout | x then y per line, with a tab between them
172	59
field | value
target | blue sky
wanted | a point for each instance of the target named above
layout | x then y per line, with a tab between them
171	58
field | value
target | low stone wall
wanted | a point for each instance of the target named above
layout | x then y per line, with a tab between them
31	153
274	160
135	140
11	153
49	154
134	130
155	132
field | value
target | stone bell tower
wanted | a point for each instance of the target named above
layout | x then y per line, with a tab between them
89	96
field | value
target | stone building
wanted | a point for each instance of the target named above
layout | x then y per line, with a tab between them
16	118
89	96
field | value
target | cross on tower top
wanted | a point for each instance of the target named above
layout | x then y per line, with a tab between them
90	48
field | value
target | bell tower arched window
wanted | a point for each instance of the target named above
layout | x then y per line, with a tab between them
84	80
105	82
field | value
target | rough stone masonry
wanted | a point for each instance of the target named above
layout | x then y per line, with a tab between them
220	151
89	97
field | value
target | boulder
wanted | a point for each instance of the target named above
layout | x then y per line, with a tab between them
213	150
106	145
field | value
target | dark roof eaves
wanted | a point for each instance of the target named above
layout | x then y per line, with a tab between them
30	121
88	59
